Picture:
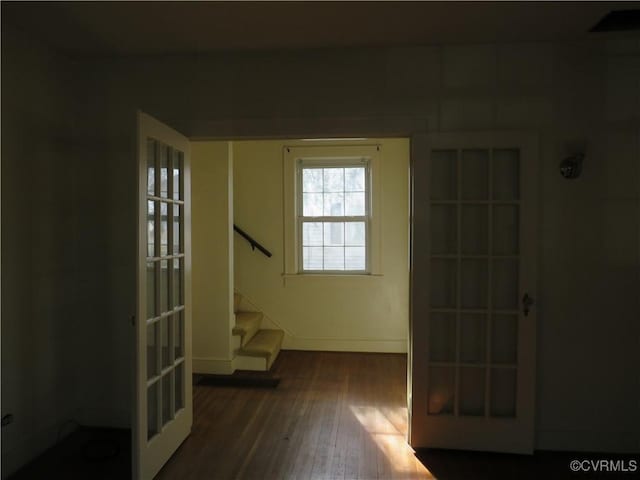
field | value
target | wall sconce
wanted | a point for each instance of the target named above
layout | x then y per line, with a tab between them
571	167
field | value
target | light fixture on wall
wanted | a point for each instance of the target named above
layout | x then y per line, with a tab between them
571	167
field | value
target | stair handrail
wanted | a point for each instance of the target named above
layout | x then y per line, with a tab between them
254	243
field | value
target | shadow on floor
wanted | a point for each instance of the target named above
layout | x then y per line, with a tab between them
88	453
459	465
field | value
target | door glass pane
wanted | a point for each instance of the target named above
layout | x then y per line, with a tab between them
505	284
472	385
152	345
443	283
177	174
503	392
444	224
179	387
444	181
442	337
151	290
178	297
165	324
151	167
505	229
473	339
164	170
504	339
506	174
475	230
151	231
167	413
441	390
475	174
164	286
179	334
474	284
164	234
177	230
152	410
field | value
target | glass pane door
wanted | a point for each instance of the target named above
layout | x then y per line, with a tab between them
165	284
475	258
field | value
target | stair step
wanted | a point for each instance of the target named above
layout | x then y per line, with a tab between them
247	325
266	343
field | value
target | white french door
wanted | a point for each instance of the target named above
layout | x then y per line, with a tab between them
164	413
473	283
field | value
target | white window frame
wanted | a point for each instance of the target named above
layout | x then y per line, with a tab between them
303	163
327	156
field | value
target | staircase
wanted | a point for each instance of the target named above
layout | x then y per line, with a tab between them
255	348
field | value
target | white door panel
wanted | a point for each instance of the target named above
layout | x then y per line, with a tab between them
163	414
473	262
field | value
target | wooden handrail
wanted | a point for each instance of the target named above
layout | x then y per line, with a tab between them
254	243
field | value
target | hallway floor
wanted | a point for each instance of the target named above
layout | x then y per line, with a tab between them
333	415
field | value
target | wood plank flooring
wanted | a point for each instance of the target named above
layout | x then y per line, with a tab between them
333	416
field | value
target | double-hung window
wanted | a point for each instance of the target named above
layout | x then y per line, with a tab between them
333	215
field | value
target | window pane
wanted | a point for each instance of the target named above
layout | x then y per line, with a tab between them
312	234
355	234
312	204
334	234
354	179
312	258
333	258
312	180
354	204
334	204
355	258
334	179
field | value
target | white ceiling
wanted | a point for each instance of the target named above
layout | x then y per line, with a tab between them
184	27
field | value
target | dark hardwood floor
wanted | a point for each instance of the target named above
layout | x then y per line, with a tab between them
332	416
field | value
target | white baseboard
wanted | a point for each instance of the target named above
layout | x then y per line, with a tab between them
345	344
215	366
588	441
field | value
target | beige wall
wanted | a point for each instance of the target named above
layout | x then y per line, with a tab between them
212	256
351	313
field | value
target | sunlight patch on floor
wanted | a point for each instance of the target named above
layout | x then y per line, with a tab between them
387	427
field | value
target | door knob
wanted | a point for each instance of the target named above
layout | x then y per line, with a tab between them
527	302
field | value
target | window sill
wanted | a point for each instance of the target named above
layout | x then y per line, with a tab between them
330	277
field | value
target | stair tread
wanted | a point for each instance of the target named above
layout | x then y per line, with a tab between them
266	342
